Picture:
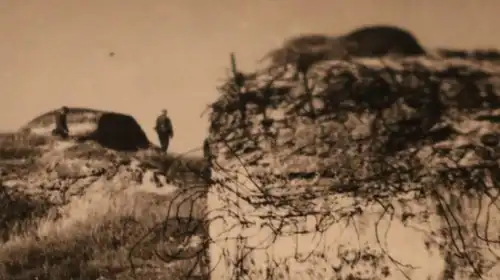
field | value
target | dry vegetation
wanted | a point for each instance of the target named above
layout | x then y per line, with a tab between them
96	237
20	146
115	233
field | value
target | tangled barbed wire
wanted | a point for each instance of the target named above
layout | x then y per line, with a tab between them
360	148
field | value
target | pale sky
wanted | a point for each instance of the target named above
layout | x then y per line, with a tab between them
172	53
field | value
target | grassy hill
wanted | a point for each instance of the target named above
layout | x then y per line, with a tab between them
73	210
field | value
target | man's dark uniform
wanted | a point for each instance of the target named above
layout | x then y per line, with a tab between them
61	128
165	130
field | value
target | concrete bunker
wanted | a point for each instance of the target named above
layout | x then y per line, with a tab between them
110	129
381	40
119	132
371	41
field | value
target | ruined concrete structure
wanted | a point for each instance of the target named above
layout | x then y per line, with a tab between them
380	40
369	41
371	169
112	130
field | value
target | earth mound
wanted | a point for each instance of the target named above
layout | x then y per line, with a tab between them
368	41
382	40
371	41
76	210
478	54
364	169
113	130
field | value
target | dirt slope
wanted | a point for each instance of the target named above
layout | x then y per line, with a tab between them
75	209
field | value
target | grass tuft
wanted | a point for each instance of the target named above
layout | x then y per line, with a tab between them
94	236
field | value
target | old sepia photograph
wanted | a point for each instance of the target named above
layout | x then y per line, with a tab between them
249	140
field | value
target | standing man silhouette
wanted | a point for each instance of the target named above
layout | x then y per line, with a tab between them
61	128
164	130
